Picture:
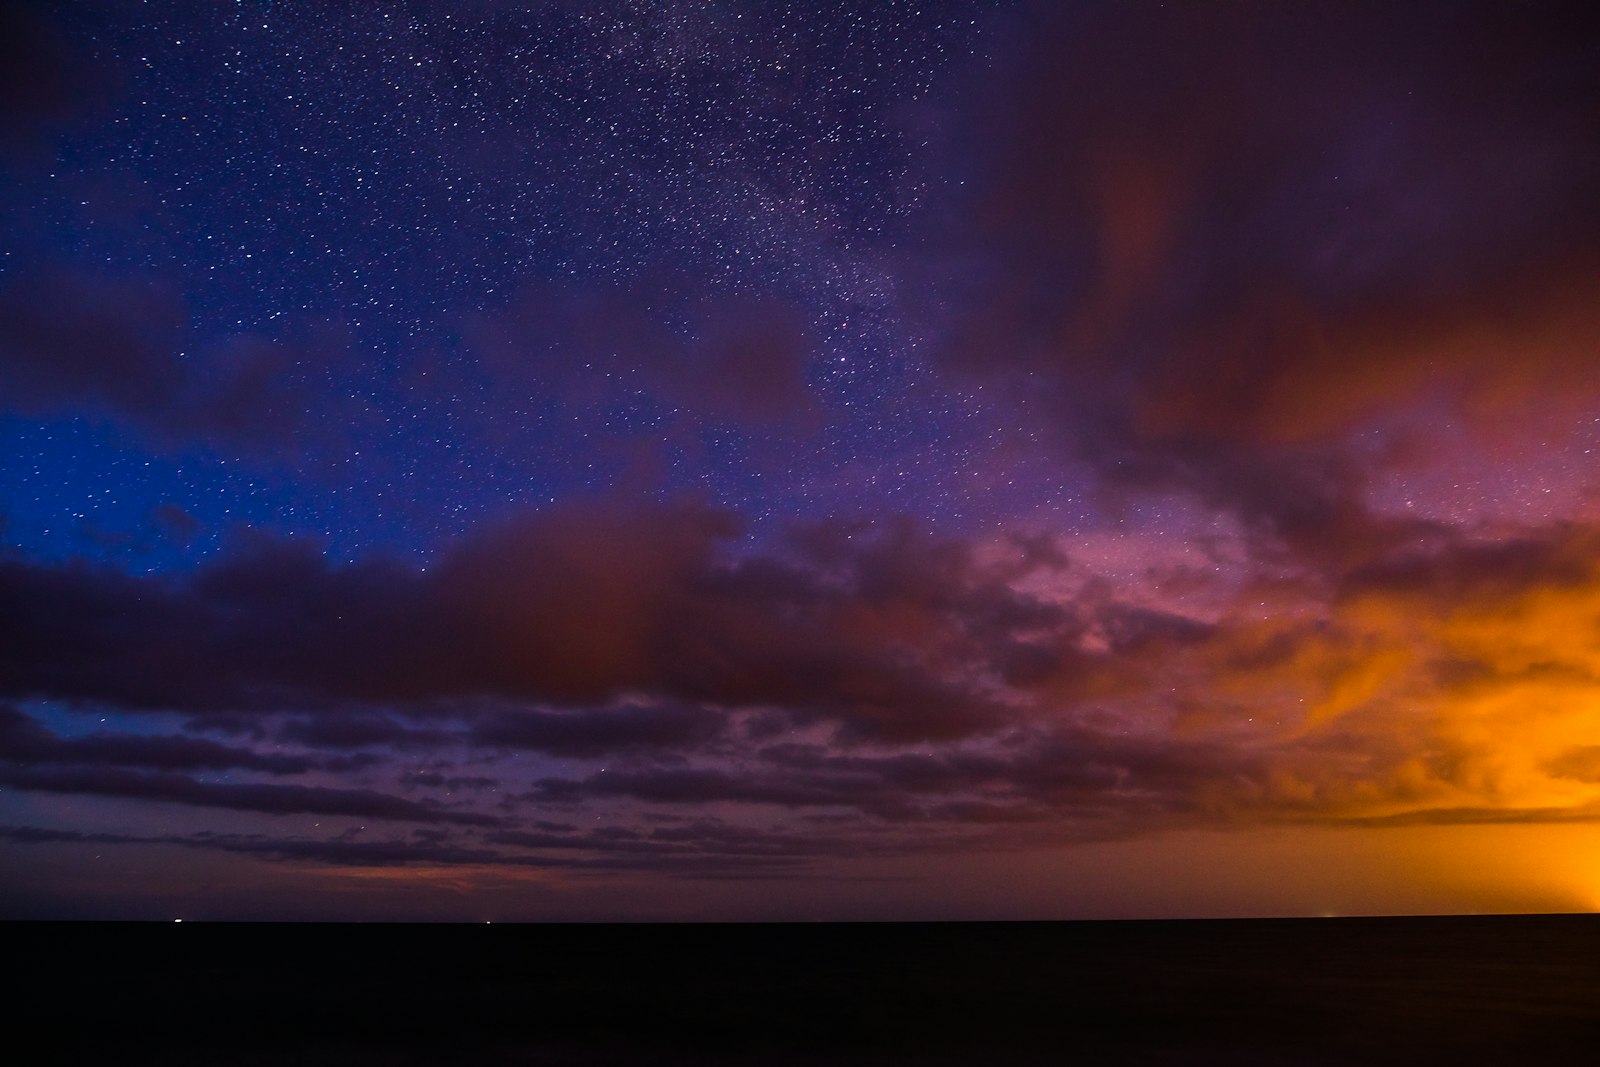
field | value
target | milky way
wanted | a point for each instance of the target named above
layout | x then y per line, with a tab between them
690	460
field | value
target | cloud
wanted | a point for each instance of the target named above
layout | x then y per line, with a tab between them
25	741
266	798
581	605
1448	682
355	729
705	848
79	342
597	731
343	852
1212	247
696	786
1047	783
871	670
1454	676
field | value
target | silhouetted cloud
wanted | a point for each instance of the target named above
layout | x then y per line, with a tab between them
594	732
25	741
258	797
354	729
579	605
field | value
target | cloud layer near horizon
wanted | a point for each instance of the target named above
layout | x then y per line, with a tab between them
910	688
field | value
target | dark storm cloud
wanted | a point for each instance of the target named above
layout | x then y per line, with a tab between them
705	848
1560	556
268	799
341	852
347	852
701	786
697	838
355	729
709	835
437	780
632	633
1081	780
598	731
578	606
23	740
1452	679
1213	240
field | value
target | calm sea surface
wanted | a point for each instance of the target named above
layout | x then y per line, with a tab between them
1500	989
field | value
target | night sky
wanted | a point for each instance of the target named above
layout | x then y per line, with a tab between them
715	460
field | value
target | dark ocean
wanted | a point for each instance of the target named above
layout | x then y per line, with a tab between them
1456	990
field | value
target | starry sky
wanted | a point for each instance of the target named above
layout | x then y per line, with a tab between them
895	460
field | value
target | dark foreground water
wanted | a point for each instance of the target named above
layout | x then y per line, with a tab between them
1504	989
